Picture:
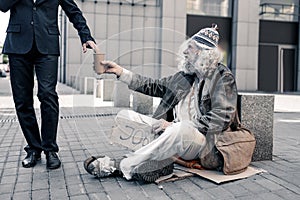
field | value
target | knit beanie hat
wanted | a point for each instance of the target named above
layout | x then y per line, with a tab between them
207	38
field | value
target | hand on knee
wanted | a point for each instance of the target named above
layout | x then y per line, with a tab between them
160	126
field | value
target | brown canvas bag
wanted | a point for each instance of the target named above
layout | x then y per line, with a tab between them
236	147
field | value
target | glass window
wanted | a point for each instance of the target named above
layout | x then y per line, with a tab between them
279	10
210	7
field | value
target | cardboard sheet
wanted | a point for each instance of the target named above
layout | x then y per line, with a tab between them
219	177
132	133
131	137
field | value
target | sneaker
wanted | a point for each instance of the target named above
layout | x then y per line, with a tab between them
102	166
150	171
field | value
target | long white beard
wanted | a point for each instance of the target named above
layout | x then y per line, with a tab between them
189	68
195	68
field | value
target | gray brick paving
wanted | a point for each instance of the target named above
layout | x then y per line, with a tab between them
220	193
85	131
236	190
98	196
286	194
84	136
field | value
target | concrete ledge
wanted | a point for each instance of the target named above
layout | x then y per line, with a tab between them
108	89
142	103
87	85
256	113
121	95
72	82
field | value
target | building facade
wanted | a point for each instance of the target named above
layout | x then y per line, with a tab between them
260	38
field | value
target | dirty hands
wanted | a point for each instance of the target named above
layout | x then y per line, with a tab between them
112	67
160	126
89	44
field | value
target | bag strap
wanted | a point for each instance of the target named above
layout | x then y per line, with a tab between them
236	123
237	118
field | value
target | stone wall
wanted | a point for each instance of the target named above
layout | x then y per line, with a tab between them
256	113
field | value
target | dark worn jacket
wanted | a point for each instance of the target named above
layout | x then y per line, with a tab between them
38	22
217	96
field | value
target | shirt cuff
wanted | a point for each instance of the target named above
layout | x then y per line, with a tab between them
126	76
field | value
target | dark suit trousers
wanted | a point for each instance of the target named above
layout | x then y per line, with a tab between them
22	70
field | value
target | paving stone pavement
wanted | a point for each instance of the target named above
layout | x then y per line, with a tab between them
84	131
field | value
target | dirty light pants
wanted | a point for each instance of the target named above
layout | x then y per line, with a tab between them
179	139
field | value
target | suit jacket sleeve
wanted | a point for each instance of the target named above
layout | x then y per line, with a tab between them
5	5
75	16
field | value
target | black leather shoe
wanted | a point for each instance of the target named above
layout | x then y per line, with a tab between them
31	159
53	161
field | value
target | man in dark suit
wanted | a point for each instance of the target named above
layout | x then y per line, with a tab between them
32	45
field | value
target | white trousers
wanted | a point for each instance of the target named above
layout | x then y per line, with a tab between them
180	139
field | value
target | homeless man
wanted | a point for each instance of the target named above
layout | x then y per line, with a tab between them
203	96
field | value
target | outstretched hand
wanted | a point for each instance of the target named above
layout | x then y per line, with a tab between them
112	67
89	44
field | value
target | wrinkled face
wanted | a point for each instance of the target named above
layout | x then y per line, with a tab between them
191	54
